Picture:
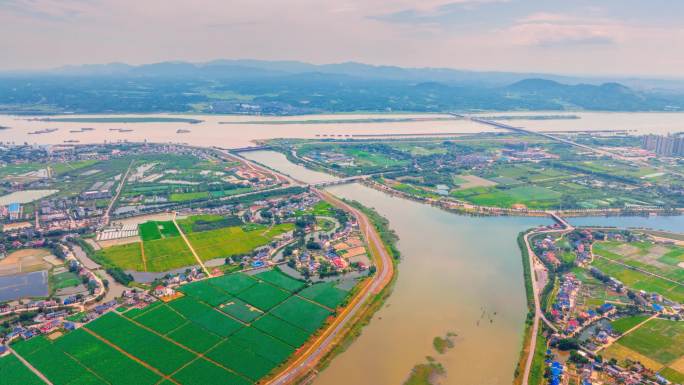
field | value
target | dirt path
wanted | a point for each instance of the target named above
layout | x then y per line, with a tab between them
30	367
187	242
142	255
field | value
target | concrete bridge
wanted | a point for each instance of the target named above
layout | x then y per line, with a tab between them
340	181
251	148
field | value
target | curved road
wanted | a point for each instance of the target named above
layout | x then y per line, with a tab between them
326	341
538	314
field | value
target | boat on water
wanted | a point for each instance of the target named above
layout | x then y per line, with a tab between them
125	130
72	141
182	131
43	131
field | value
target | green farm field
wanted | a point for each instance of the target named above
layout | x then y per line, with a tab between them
194	339
658	344
233	241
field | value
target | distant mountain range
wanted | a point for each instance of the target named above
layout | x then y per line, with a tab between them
291	87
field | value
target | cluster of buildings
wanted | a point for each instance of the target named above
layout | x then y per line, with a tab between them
664	145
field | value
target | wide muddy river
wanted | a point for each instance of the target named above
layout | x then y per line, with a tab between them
239	131
457	274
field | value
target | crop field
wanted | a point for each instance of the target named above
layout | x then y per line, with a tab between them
531	196
66	279
282	330
659	259
167	254
105	361
197	223
14	372
624	324
264	296
195	337
206	292
54	363
640	281
161	319
299	312
277	278
241	360
658	344
326	294
127	257
232	241
240	310
234	283
141	343
189	196
207	336
202	372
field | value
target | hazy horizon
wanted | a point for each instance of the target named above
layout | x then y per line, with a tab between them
613	37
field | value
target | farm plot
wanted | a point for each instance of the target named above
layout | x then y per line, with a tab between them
306	315
264	296
56	365
104	360
236	357
206	316
659	339
263	344
167	254
659	259
658	344
161	319
640	281
127	257
202	372
205	292
194	337
326	294
232	241
141	343
277	278
233	283
198	223
281	330
14	372
240	310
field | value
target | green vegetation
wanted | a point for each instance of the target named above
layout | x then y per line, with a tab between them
326	294
15	373
624	324
234	241
425	374
282	330
65	279
245	341
658	339
277	278
141	343
240	310
299	312
264	296
196	223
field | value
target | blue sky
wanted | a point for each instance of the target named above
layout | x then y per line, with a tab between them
618	37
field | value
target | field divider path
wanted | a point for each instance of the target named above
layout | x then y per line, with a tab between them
192	249
642	271
129	355
142	254
633	328
30	367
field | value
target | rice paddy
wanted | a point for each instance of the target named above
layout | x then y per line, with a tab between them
208	336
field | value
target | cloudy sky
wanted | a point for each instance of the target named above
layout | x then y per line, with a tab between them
621	37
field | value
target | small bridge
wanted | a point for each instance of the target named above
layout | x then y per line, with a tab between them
251	148
340	181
